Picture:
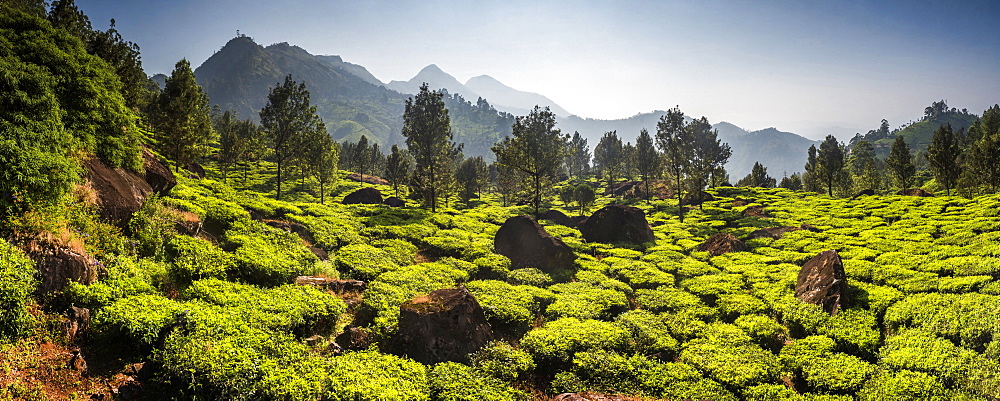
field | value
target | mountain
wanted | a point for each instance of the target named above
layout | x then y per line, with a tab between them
435	79
351	101
918	135
509	99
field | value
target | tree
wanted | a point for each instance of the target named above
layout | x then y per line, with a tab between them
943	153
830	163
362	156
124	57
324	153
810	179
536	148
865	166
647	158
585	197
397	168
288	119
609	156
900	163
984	152
235	139
184	123
673	140
508	182
427	130
792	182
578	160
708	153
471	175
757	178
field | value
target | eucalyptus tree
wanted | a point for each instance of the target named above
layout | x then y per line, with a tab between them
830	163
943	153
708	153
675	143
536	148
397	168
578	158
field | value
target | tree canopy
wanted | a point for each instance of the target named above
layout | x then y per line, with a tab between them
536	148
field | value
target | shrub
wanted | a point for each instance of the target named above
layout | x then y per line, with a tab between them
195	258
451	381
502	361
680	381
385	294
838	373
559	340
904	385
138	319
528	276
363	261
738	364
399	251
920	350
266	255
507	307
125	277
665	298
493	266
584	301
805	351
17	281
288	307
733	305
764	330
649	332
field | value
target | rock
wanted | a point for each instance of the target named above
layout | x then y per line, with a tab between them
368	179
354	338
617	224
393	201
756	211
558	217
721	243
527	244
121	192
914	192
57	266
588	397
864	192
696	198
366	195
772	232
76	362
445	325
197	171
331	284
77	324
822	281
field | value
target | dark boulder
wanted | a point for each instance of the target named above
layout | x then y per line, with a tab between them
755	211
822	281
57	266
393	201
196	170
445	325
366	195
558	217
721	243
121	192
617	224
354	338
367	179
527	244
77	324
696	198
914	192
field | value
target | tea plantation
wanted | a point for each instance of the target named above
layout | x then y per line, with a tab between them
202	292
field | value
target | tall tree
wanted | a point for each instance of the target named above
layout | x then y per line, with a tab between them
471	176
900	163
183	123
757	178
288	119
943	153
124	57
535	148
708	153
792	182
830	163
578	161
609	156
427	130
584	197
810	179
984	152
324	153
647	158
865	166
397	168
236	137
673	140
362	156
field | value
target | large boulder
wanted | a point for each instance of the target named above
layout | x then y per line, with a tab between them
368	179
617	224
445	325
822	281
121	192
914	192
57	266
721	243
558	217
354	338
393	201
864	192
527	244
696	198
366	195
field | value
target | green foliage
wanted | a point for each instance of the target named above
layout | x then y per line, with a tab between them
559	340
428	134
507	307
585	301
727	354
529	276
289	121
125	277
17	281
451	381
266	255
194	259
184	127
363	261
903	385
502	361
838	373
535	148
386	293
650	332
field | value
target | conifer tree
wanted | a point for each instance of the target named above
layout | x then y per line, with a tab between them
609	156
810	179
578	160
471	176
397	168
943	153
673	140
427	130
900	163
647	158
830	163
324	153
865	166
708	153
288	119
183	123
757	178
536	149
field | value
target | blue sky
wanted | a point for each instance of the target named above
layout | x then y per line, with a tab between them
811	67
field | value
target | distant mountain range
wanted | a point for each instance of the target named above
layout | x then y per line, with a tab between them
353	102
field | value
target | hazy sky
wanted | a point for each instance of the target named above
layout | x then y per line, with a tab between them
811	67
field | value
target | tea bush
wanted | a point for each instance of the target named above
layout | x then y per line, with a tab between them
502	361
559	340
17	281
451	381
266	255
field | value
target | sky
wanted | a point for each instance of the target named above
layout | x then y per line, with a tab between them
809	67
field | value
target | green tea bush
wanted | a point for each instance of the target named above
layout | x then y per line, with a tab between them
194	258
559	340
837	373
386	293
507	307
529	276
493	266
452	381
17	281
399	251
502	361
125	276
139	319
585	301
733	305
731	359
608	371
363	261
855	330
650	332
266	255
904	385
920	350
968	319
805	351
680	381
764	330
332	231
665	298
287	308
600	280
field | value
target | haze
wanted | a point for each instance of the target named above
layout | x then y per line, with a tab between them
812	68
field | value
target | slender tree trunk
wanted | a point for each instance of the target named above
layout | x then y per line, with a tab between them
279	180
538	193
680	208
649	197
322	193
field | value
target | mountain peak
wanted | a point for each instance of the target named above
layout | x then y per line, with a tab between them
509	99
